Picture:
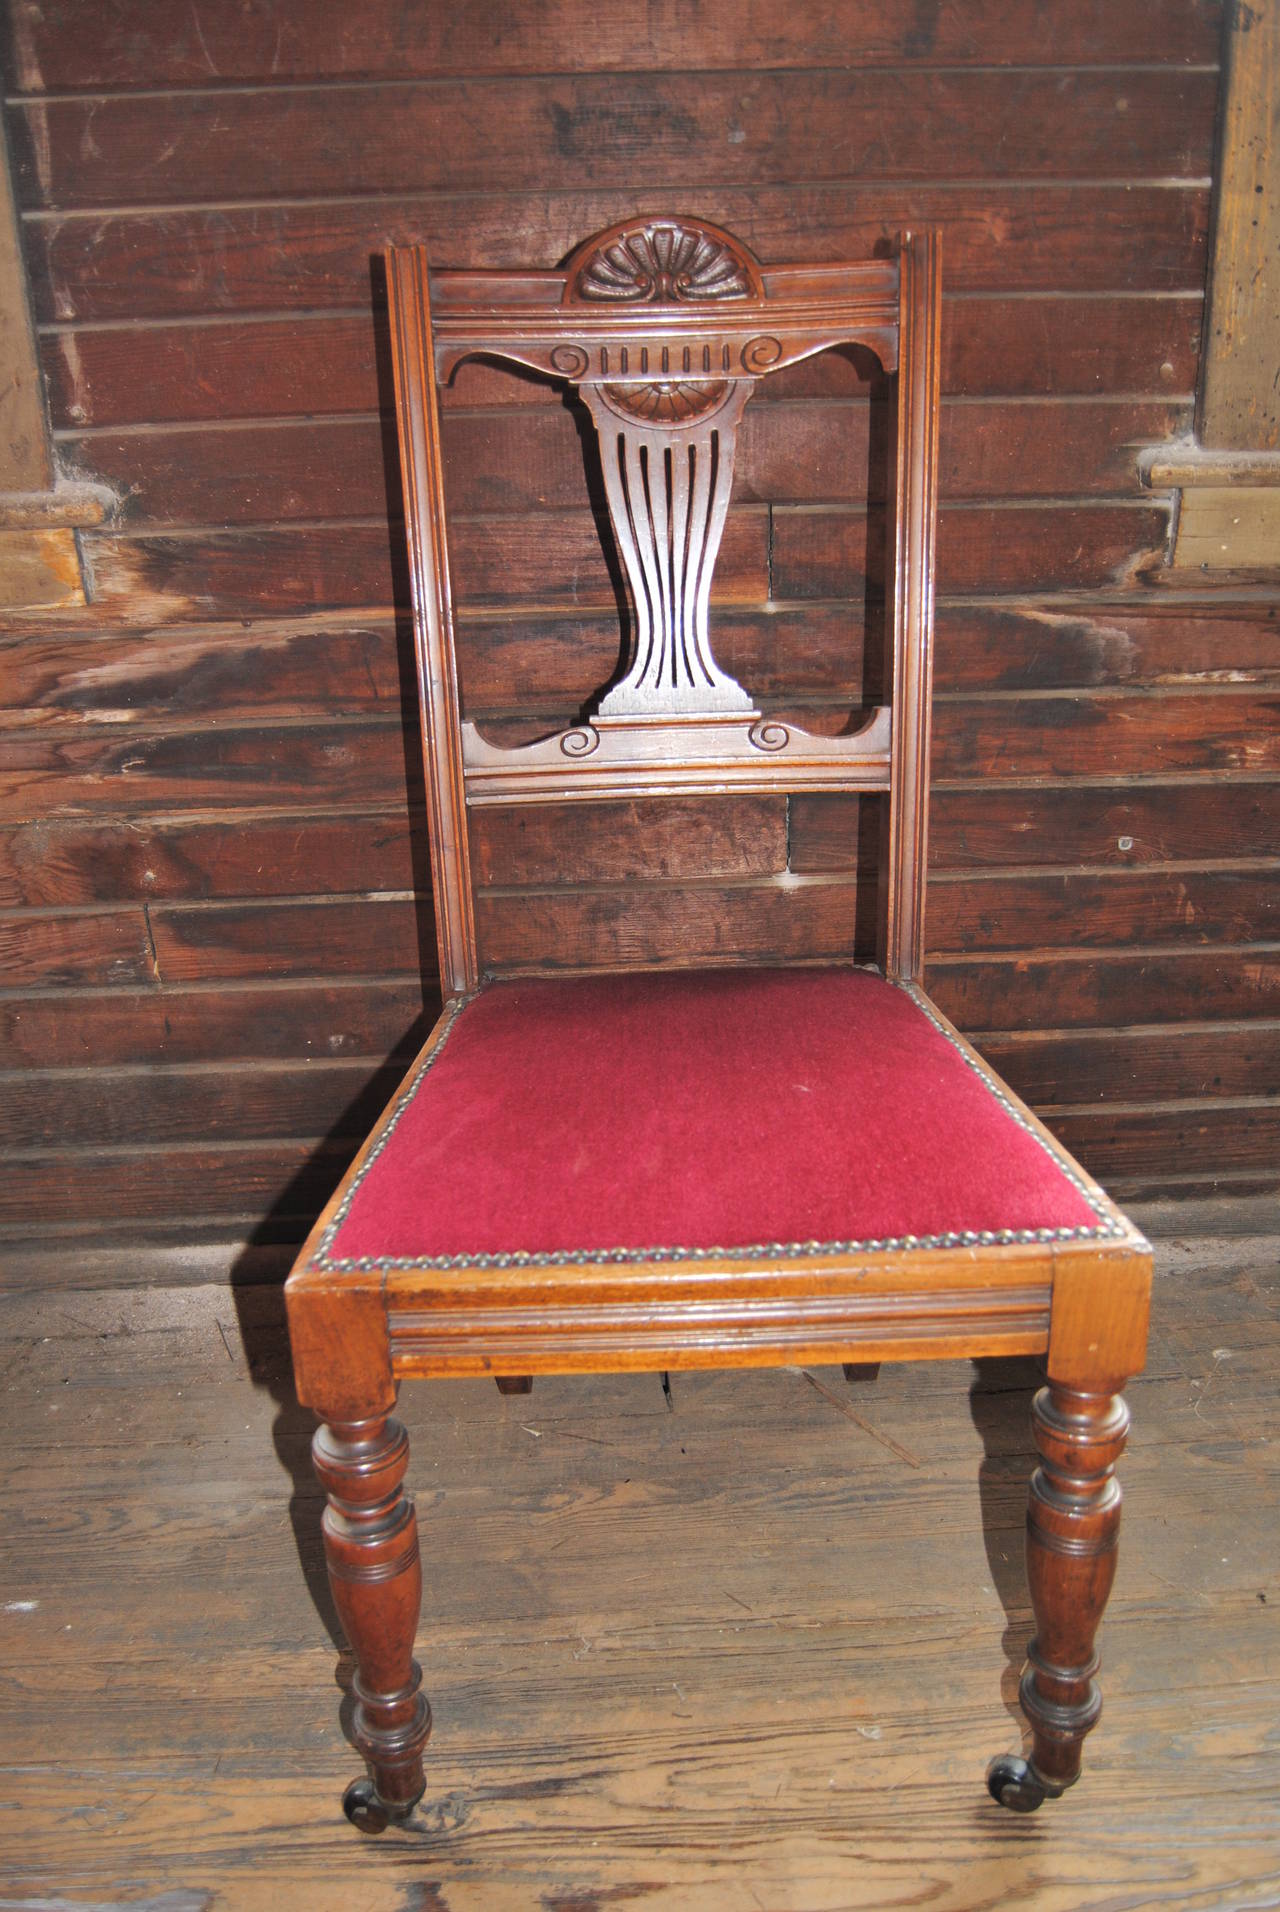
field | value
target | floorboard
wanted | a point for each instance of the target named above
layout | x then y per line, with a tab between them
735	1650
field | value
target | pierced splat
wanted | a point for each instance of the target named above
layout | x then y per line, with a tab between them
668	487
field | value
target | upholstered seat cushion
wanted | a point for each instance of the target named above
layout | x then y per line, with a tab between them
689	1112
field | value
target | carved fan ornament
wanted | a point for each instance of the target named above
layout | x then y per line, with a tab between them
667	401
665	261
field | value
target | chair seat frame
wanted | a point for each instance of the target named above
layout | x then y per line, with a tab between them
664	324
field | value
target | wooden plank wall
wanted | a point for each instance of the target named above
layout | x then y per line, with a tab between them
214	925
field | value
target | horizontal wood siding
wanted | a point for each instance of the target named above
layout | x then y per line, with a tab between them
216	944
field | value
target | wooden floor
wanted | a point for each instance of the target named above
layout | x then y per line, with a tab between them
752	1646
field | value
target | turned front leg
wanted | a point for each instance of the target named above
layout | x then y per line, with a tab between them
371	1548
1073	1525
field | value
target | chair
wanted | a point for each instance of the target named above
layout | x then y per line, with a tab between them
807	1164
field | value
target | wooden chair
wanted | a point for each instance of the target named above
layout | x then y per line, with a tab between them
801	1165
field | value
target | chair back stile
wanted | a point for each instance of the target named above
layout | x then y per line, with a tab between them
421	471
915	530
664	326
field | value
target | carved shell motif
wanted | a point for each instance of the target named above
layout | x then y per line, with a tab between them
663	262
668	401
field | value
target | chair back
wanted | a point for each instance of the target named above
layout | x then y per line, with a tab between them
664	326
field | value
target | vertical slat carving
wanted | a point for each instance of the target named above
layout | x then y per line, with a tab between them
667	485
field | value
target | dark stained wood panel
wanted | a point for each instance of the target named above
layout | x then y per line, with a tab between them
634	133
788	454
334	666
799	647
1120	825
100	1108
214	911
368	1017
644	840
357	936
644	928
216	369
303	256
556	559
1138	1065
562	927
273	569
1124	1142
49	951
1103	909
1090	991
1142	733
197	1180
352	763
87	859
363	763
834	552
152	45
224	854
1046	646
64	678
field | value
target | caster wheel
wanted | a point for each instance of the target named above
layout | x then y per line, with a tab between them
1013	1782
366	1811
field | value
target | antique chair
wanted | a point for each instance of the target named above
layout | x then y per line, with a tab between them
508	1216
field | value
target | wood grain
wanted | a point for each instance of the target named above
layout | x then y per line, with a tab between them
1119	826
222	736
205	1180
151	47
100	1107
363	763
555	559
631	132
707	923
219	369
835	552
1052	1069
335	664
368	1016
1068	992
1095	238
618	1680
790	453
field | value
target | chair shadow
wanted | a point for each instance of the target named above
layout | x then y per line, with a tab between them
257	1277
257	1289
1000	1407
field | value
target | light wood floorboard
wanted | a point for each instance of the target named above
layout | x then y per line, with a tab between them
744	1649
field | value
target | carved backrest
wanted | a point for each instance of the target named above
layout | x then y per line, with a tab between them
664	325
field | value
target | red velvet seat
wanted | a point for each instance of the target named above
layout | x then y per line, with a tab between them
791	1112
